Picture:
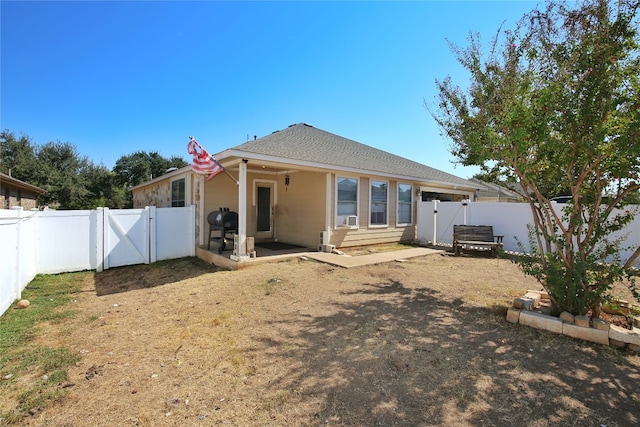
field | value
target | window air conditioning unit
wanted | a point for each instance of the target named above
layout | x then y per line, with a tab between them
351	221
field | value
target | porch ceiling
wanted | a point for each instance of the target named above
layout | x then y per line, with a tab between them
269	167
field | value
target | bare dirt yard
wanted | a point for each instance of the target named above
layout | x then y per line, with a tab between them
302	343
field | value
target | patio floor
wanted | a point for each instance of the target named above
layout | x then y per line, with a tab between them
346	261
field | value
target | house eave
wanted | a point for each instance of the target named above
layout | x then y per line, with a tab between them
171	174
21	184
230	158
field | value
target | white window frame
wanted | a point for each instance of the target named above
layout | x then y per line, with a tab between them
340	219
398	204
183	178
386	204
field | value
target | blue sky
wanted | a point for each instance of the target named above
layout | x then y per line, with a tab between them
117	77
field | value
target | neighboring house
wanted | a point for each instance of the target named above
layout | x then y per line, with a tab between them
305	186
495	193
14	192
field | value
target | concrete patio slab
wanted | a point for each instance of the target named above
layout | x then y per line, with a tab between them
347	261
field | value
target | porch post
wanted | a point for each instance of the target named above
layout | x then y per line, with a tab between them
241	252
328	209
200	213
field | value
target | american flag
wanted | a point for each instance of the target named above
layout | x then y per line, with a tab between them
203	162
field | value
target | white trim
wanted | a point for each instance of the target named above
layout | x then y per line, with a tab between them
242	215
202	217
404	224
339	219
386	219
186	190
329	207
184	169
454	190
256	181
273	185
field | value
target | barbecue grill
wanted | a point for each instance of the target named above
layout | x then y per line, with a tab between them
223	221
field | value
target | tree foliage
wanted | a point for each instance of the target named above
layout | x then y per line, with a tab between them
71	180
553	106
17	155
136	168
61	172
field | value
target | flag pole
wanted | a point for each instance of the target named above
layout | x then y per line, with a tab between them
213	158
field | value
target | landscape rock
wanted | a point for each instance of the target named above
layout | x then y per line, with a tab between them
625	335
565	316
583	321
23	303
524	303
513	315
541	321
586	334
617	344
600	324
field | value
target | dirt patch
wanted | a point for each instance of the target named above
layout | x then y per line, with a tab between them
301	343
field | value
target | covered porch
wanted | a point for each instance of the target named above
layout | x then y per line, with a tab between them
274	203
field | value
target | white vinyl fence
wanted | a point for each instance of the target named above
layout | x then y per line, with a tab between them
33	242
436	220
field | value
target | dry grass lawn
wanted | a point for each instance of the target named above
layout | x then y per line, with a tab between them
301	343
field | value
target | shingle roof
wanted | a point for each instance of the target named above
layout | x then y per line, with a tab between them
306	143
494	190
21	184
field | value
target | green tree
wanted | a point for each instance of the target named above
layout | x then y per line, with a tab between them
72	181
17	156
139	167
62	172
554	106
103	190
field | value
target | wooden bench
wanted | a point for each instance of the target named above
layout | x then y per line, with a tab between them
475	237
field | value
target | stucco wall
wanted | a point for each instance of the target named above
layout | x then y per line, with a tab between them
300	214
220	192
298	211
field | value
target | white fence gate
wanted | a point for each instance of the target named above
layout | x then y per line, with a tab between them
127	237
436	220
33	242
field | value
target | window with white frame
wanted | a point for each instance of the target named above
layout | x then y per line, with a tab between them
347	203
379	202
178	193
405	199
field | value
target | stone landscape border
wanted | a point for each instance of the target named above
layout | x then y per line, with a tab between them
534	309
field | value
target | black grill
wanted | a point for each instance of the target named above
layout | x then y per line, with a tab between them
223	221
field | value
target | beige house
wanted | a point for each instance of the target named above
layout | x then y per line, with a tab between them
14	192
308	187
